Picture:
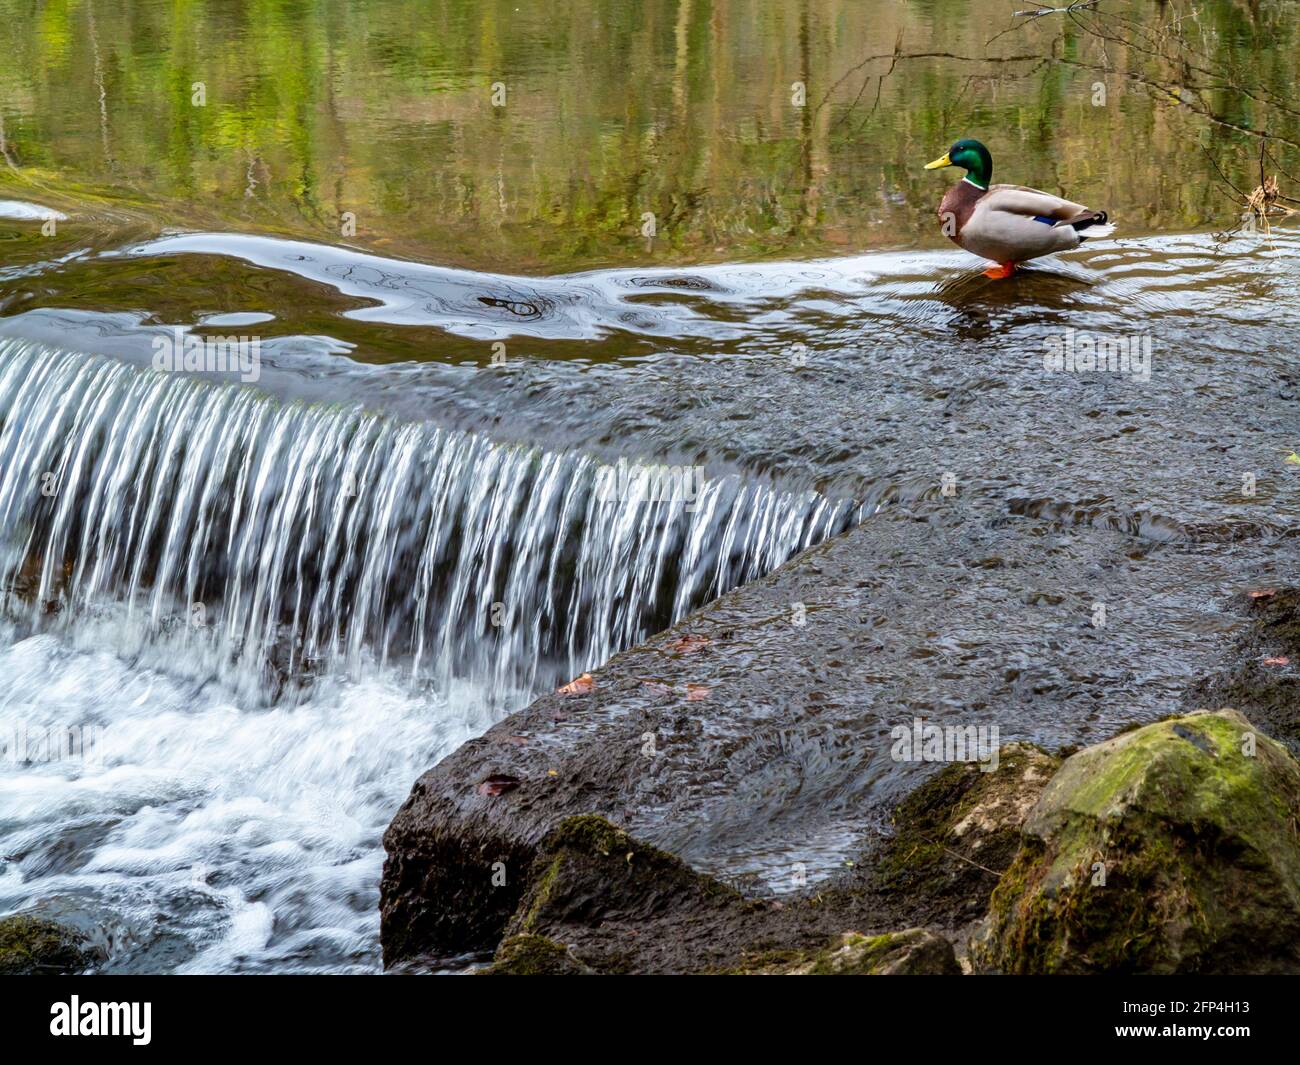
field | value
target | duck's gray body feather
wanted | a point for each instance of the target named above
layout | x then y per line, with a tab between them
1011	223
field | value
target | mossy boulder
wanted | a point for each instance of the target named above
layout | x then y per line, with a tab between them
959	831
1169	849
531	955
34	946
619	904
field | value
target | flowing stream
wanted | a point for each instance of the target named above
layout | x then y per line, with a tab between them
258	622
240	619
241	613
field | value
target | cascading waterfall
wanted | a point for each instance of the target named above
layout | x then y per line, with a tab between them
285	539
263	620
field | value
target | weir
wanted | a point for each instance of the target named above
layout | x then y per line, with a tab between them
281	541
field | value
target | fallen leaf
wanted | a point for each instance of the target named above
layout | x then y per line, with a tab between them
1262	593
552	772
498	784
1293	458
1280	660
689	643
517	741
581	686
696	692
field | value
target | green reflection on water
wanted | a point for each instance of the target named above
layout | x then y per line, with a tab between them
685	109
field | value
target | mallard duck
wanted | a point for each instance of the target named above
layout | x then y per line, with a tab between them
1009	223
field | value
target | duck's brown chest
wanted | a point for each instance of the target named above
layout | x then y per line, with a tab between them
956	208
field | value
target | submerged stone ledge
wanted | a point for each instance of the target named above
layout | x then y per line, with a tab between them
1261	677
1169	848
750	744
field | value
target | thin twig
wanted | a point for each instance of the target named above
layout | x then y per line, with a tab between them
959	857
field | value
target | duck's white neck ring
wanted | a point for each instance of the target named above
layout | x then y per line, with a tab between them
982	188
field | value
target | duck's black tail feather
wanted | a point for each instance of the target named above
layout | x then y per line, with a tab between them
1092	218
1095	222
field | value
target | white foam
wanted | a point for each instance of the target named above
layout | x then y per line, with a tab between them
262	827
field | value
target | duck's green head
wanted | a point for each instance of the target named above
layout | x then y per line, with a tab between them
972	157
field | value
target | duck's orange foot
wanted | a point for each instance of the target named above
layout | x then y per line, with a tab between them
1001	271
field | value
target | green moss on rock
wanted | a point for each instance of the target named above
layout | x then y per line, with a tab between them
617	902
33	946
588	866
588	869
913	952
588	833
1172	848
532	955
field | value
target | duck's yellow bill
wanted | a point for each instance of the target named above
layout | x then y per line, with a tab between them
943	161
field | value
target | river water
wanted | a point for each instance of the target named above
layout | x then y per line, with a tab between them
244	611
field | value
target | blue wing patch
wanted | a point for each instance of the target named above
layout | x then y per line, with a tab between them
1045	220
